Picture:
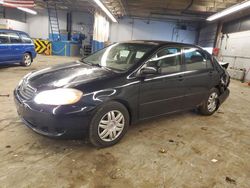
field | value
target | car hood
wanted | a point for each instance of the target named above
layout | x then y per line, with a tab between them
66	75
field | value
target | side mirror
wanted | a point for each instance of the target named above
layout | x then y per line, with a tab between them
148	70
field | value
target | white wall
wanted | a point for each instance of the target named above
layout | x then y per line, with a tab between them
135	29
14	19
39	24
15	25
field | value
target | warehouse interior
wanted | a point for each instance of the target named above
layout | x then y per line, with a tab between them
178	150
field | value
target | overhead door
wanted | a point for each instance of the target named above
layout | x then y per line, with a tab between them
235	50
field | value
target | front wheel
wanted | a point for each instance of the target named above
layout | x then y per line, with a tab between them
27	60
109	125
211	103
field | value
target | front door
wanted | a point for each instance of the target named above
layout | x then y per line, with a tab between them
163	92
5	53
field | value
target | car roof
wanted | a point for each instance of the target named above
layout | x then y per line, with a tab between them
159	43
11	30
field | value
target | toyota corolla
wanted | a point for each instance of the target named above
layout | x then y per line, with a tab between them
104	93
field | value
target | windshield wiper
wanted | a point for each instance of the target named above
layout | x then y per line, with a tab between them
97	65
92	64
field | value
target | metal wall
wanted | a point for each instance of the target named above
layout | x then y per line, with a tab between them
207	35
13	14
238	25
1	12
138	29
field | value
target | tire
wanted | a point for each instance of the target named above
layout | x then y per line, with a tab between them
27	60
211	103
109	124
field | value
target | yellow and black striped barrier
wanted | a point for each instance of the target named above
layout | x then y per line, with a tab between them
43	46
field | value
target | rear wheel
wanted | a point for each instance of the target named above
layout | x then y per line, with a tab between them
27	60
210	105
109	125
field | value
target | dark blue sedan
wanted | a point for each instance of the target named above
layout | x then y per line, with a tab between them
125	83
16	47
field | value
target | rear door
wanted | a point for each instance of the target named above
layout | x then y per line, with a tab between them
27	41
17	47
198	76
162	93
5	51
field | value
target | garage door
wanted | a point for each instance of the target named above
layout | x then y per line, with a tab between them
235	50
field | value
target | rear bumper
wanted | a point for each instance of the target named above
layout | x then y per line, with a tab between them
34	54
224	96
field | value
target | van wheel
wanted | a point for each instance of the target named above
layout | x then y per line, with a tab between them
109	125
211	104
27	60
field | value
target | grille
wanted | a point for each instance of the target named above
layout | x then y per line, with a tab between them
26	91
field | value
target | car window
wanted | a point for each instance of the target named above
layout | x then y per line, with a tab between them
139	55
119	56
167	60
195	60
4	39
122	55
14	38
26	39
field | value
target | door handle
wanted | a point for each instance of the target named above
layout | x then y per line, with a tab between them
180	78
210	73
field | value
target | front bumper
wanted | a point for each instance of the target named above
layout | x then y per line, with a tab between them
64	125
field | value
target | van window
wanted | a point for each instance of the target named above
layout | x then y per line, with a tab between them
14	38
196	60
26	39
4	39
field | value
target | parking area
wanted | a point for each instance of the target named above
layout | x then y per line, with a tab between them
180	150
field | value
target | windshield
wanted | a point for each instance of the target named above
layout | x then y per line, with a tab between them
120	56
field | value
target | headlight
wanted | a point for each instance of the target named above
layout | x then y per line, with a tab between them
62	96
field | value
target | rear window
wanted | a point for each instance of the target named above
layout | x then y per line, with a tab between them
26	39
4	39
14	38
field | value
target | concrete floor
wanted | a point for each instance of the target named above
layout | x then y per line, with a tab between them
173	151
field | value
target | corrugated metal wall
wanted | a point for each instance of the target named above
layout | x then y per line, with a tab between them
1	12
207	35
238	25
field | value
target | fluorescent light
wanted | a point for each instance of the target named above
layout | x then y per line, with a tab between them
20	8
229	10
27	10
101	5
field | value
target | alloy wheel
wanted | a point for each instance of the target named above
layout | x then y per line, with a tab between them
212	102
27	60
111	126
